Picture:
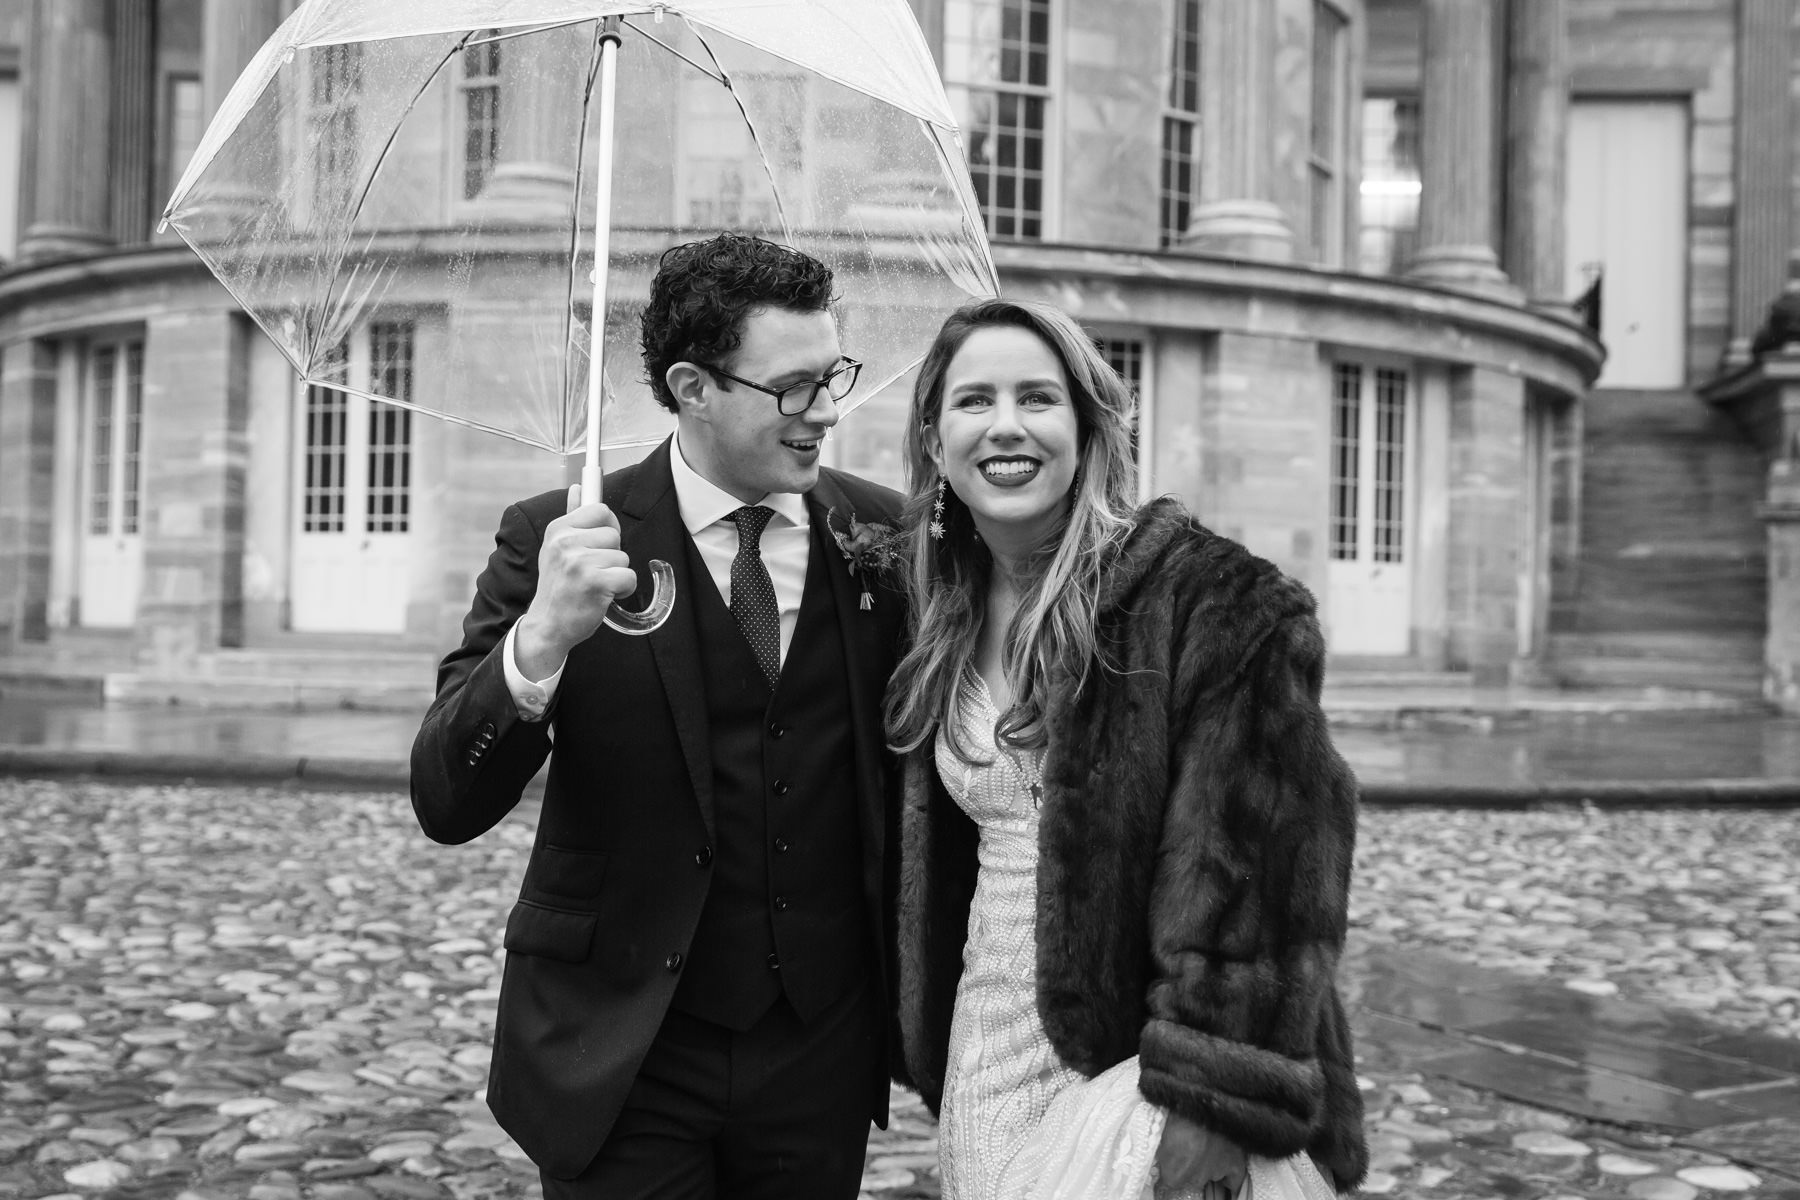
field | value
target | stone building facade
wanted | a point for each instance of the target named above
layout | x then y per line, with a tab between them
1336	244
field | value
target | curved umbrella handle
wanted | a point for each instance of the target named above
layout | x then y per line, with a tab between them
653	614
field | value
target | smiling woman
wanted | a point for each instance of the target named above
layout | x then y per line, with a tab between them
1118	782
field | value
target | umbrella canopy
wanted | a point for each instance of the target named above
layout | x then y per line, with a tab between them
435	161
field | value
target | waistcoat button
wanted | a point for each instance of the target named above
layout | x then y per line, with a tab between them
673	962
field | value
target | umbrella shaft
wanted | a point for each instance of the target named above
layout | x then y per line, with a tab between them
603	175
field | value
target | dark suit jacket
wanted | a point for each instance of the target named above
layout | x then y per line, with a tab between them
613	889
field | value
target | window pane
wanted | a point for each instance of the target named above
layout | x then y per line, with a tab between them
1346	424
390	427
104	368
1389	200
995	53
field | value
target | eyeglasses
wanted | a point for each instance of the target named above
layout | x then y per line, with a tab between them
796	398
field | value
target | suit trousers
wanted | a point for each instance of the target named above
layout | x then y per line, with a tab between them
779	1111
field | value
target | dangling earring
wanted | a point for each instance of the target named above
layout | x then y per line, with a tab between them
937	511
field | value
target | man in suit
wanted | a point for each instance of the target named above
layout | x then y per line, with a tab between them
695	988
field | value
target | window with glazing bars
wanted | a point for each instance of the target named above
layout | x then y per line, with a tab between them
390	427
103	371
1126	356
1389	517
1346	444
481	112
997	59
336	80
1181	124
131	469
324	491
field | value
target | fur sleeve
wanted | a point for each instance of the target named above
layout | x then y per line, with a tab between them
1248	904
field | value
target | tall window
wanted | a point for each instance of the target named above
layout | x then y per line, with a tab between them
183	122
390	427
336	80
1126	356
327	442
1390	184
115	437
1325	158
1181	124
997	59
1368	463
481	112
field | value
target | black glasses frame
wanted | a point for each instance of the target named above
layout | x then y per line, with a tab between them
808	388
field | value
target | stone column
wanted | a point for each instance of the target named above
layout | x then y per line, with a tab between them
1537	135
1761	233
133	120
540	122
1781	652
1486	533
196	373
27	489
1458	109
231	32
1235	215
70	130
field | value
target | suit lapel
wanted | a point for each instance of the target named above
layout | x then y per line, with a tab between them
658	532
860	633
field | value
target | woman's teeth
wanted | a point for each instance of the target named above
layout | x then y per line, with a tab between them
1010	469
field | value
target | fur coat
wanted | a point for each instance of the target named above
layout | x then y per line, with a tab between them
1194	865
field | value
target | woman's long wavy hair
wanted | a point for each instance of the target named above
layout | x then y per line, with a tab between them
1054	627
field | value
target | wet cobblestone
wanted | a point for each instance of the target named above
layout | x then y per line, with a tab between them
212	992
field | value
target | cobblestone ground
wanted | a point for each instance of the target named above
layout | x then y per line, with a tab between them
224	992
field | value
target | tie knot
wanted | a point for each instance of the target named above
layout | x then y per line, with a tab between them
751	520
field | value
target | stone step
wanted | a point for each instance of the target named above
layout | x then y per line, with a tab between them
196	691
1726	678
1735	649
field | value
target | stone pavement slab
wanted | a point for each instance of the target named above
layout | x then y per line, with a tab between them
1596	1057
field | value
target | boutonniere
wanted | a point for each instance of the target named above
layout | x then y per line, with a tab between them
869	547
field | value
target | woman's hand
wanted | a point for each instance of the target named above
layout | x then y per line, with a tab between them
1193	1160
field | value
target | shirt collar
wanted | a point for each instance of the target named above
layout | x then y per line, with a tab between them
703	502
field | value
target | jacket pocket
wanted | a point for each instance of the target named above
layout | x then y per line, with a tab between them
554	933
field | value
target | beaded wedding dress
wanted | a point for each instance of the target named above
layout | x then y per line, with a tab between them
1016	1122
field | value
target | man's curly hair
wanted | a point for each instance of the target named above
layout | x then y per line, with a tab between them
703	291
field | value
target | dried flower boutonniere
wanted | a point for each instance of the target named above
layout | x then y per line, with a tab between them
869	547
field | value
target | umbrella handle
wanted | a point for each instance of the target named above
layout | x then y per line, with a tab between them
653	614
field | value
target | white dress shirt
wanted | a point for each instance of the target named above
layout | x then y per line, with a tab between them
706	511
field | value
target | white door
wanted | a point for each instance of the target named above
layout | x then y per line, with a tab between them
353	544
1627	222
1369	576
112	556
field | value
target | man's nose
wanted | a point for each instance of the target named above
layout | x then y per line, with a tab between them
824	410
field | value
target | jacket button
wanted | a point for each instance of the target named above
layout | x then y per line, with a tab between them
777	730
474	758
704	858
783	787
488	730
774	962
673	962
781	845
781	904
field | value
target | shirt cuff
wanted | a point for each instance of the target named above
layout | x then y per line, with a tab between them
531	699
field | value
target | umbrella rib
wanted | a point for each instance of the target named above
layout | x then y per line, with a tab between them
762	155
694	63
380	160
565	381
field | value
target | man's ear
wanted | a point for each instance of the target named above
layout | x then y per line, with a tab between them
687	383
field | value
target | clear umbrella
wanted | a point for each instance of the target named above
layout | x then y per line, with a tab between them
466	163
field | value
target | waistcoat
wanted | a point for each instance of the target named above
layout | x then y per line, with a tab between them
784	907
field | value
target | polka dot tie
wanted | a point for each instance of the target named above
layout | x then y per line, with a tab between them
752	595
